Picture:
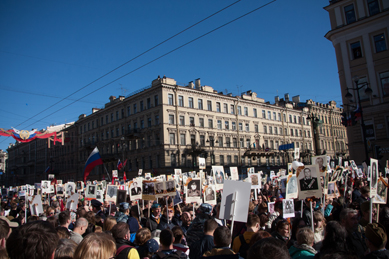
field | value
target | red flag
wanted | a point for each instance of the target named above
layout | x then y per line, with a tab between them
124	175
119	165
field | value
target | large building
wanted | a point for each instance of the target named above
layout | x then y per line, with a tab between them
359	33
166	126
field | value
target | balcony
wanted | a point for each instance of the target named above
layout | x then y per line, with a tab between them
133	134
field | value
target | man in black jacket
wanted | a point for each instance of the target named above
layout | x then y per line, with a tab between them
125	249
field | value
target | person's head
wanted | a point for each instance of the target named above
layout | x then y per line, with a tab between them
319	221
209	191
50	211
39	240
65	249
168	212
358	184
282	228
121	231
5	231
81	225
209	226
63	233
156	209
268	248
375	236
193	185
305	236
178	234
258	236
142	236
96	246
334	237
319	161
349	219
64	219
109	223
307	172
253	222
222	236
166	239
365	191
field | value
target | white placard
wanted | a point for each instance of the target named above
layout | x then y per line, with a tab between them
241	204
36	205
309	182
210	194
218	176
374	177
193	193
288	208
91	191
72	201
234	173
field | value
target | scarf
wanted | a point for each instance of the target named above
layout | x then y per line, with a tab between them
305	247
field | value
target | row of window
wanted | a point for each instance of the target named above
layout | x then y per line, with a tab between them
335	132
350	13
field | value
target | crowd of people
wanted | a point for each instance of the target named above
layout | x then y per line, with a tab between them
162	229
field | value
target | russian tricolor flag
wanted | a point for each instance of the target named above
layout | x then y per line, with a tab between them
93	160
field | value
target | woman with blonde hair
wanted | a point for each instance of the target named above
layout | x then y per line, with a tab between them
96	246
109	222
319	223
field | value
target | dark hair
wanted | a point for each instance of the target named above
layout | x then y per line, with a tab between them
166	237
252	220
63	232
258	236
268	248
210	225
178	234
81	212
63	217
38	240
53	220
4	229
296	226
365	189
222	236
65	249
120	230
335	239
142	236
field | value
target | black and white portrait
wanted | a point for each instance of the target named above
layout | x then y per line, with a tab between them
374	175
209	194
111	192
321	161
99	194
45	185
202	163
70	188
135	189
170	186
91	189
309	181
291	187
159	188
79	185
288	208
194	188
121	196
382	192
148	188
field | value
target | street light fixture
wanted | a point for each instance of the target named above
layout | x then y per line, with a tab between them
315	122
368	92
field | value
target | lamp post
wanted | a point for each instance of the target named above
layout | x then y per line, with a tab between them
212	142
349	96
315	122
123	147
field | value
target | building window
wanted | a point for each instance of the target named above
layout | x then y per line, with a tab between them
192	121
218	107
128	113
171	119
148	103
221	162
227	125
384	77
270	130
269	115
141	106
142	124
275	130
172	139
225	108
220	140
182	120
246	111
111	117
235	142
255	113
170	99
229	160
209	105
219	124
240	126
290	118
296	133
247	127
190	102
241	142
291	132
181	101
156	100
284	117
263	114
228	142
201	122
274	116
134	109
232	109
356	50
380	43
279	116
256	128
294	119
235	160
148	122
202	140
173	160
239	110
266	143
350	14
280	131
200	104
248	143
373	7
265	129
156	119
182	139
192	139
233	125
210	123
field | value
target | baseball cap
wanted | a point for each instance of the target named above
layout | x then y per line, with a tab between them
205	208
124	205
155	205
96	203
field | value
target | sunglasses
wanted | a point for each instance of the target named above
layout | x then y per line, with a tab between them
170	211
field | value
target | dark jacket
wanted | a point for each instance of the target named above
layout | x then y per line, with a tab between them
356	243
384	254
182	256
151	223
277	235
123	254
201	246
196	229
164	224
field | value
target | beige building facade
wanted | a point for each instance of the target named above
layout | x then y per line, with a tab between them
359	34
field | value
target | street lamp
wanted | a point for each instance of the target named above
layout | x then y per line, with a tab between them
315	122
212	144
349	96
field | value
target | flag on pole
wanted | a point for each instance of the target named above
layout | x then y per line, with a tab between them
124	177
47	169
94	159
119	165
124	164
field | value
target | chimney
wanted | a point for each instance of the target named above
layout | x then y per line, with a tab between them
296	99
197	84
277	99
286	97
191	85
112	98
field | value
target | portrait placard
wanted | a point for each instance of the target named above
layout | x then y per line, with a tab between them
382	192
121	196
374	177
255	180
90	191
140	171
135	189
45	185
288	208
291	187
59	181
72	201
309	182
148	190
234	173
321	162
296	154
177	171
270	207
332	191
80	186
218	176
160	189
70	188
100	195
60	190
193	192
115	173
170	188
202	164
36	207
111	193
210	194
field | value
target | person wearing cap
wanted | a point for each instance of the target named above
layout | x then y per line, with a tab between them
124	211
376	239
155	217
97	209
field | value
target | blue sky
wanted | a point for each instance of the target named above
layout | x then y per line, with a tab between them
50	49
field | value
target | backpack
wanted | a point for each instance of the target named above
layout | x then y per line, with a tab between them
244	247
121	249
174	255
